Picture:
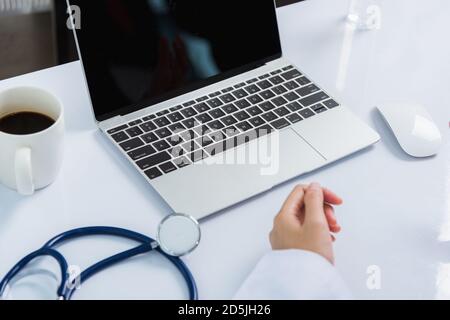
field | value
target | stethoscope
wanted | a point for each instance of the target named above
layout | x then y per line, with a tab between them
178	235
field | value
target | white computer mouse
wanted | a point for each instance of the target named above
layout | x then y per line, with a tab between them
412	125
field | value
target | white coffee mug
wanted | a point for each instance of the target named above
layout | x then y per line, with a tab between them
32	161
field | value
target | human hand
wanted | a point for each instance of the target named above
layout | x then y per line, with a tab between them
306	220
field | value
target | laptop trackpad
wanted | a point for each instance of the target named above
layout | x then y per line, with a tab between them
236	175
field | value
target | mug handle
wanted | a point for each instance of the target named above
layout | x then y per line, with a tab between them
24	175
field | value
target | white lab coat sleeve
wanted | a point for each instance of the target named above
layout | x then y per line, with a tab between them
293	275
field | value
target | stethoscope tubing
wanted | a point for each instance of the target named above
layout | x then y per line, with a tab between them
65	291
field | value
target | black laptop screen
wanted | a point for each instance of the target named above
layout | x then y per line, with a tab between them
141	52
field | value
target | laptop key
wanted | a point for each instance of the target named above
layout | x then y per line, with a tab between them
270	116
175	140
279	90
153	173
252	89
189	112
204	141
161	145
149	138
264	84
182	162
215	94
257	121
201	130
112	131
242	104
134	132
132	144
254	111
177	127
255	99
214	103
331	104
252	81
177	151
266	106
291	96
135	123
242	115
275	72
313	99
201	107
141	152
188	135
265	76
175	117
291	74
319	108
216	125
303	81
231	131
203	118
202	99
153	160
229	120
230	108
307	90
119	136
163	133
229	89
227	98
173	109
148	126
291	85
162	113
217	136
150	117
244	126
288	68
306	113
294	118
268	94
282	111
168	167
294	106
189	103
276	80
279	101
189	123
216	113
162	122
280	124
239	94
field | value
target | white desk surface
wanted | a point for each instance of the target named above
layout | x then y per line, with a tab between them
396	213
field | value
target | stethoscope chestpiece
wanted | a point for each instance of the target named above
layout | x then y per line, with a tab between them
178	234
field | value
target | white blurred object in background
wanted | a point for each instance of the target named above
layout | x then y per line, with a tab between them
9	7
365	14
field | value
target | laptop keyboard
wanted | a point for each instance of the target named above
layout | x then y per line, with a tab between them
177	137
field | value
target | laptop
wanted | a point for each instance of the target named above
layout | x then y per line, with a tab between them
199	99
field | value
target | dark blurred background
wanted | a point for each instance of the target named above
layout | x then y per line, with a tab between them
34	36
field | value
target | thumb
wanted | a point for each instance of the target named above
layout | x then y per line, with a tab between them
314	202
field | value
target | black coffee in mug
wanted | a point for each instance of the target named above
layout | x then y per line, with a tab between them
22	123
